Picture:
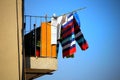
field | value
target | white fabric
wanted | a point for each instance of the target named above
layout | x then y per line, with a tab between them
59	19
53	31
56	27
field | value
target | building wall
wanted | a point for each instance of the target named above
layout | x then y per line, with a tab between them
10	40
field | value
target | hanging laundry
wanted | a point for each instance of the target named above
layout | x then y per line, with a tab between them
44	41
70	33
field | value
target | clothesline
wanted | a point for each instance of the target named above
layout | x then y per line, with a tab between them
74	11
46	16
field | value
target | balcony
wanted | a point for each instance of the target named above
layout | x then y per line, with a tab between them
40	55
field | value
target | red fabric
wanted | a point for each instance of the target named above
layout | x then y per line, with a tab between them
76	28
37	53
84	46
68	33
69	52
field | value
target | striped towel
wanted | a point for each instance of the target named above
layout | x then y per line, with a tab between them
68	37
70	34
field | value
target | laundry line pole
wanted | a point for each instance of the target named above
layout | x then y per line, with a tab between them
56	16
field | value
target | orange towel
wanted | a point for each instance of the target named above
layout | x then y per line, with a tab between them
47	50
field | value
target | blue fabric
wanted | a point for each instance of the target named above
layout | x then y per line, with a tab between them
76	16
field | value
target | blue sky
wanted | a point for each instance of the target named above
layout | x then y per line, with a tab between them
100	24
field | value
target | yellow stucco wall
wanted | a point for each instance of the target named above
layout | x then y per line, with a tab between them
9	61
